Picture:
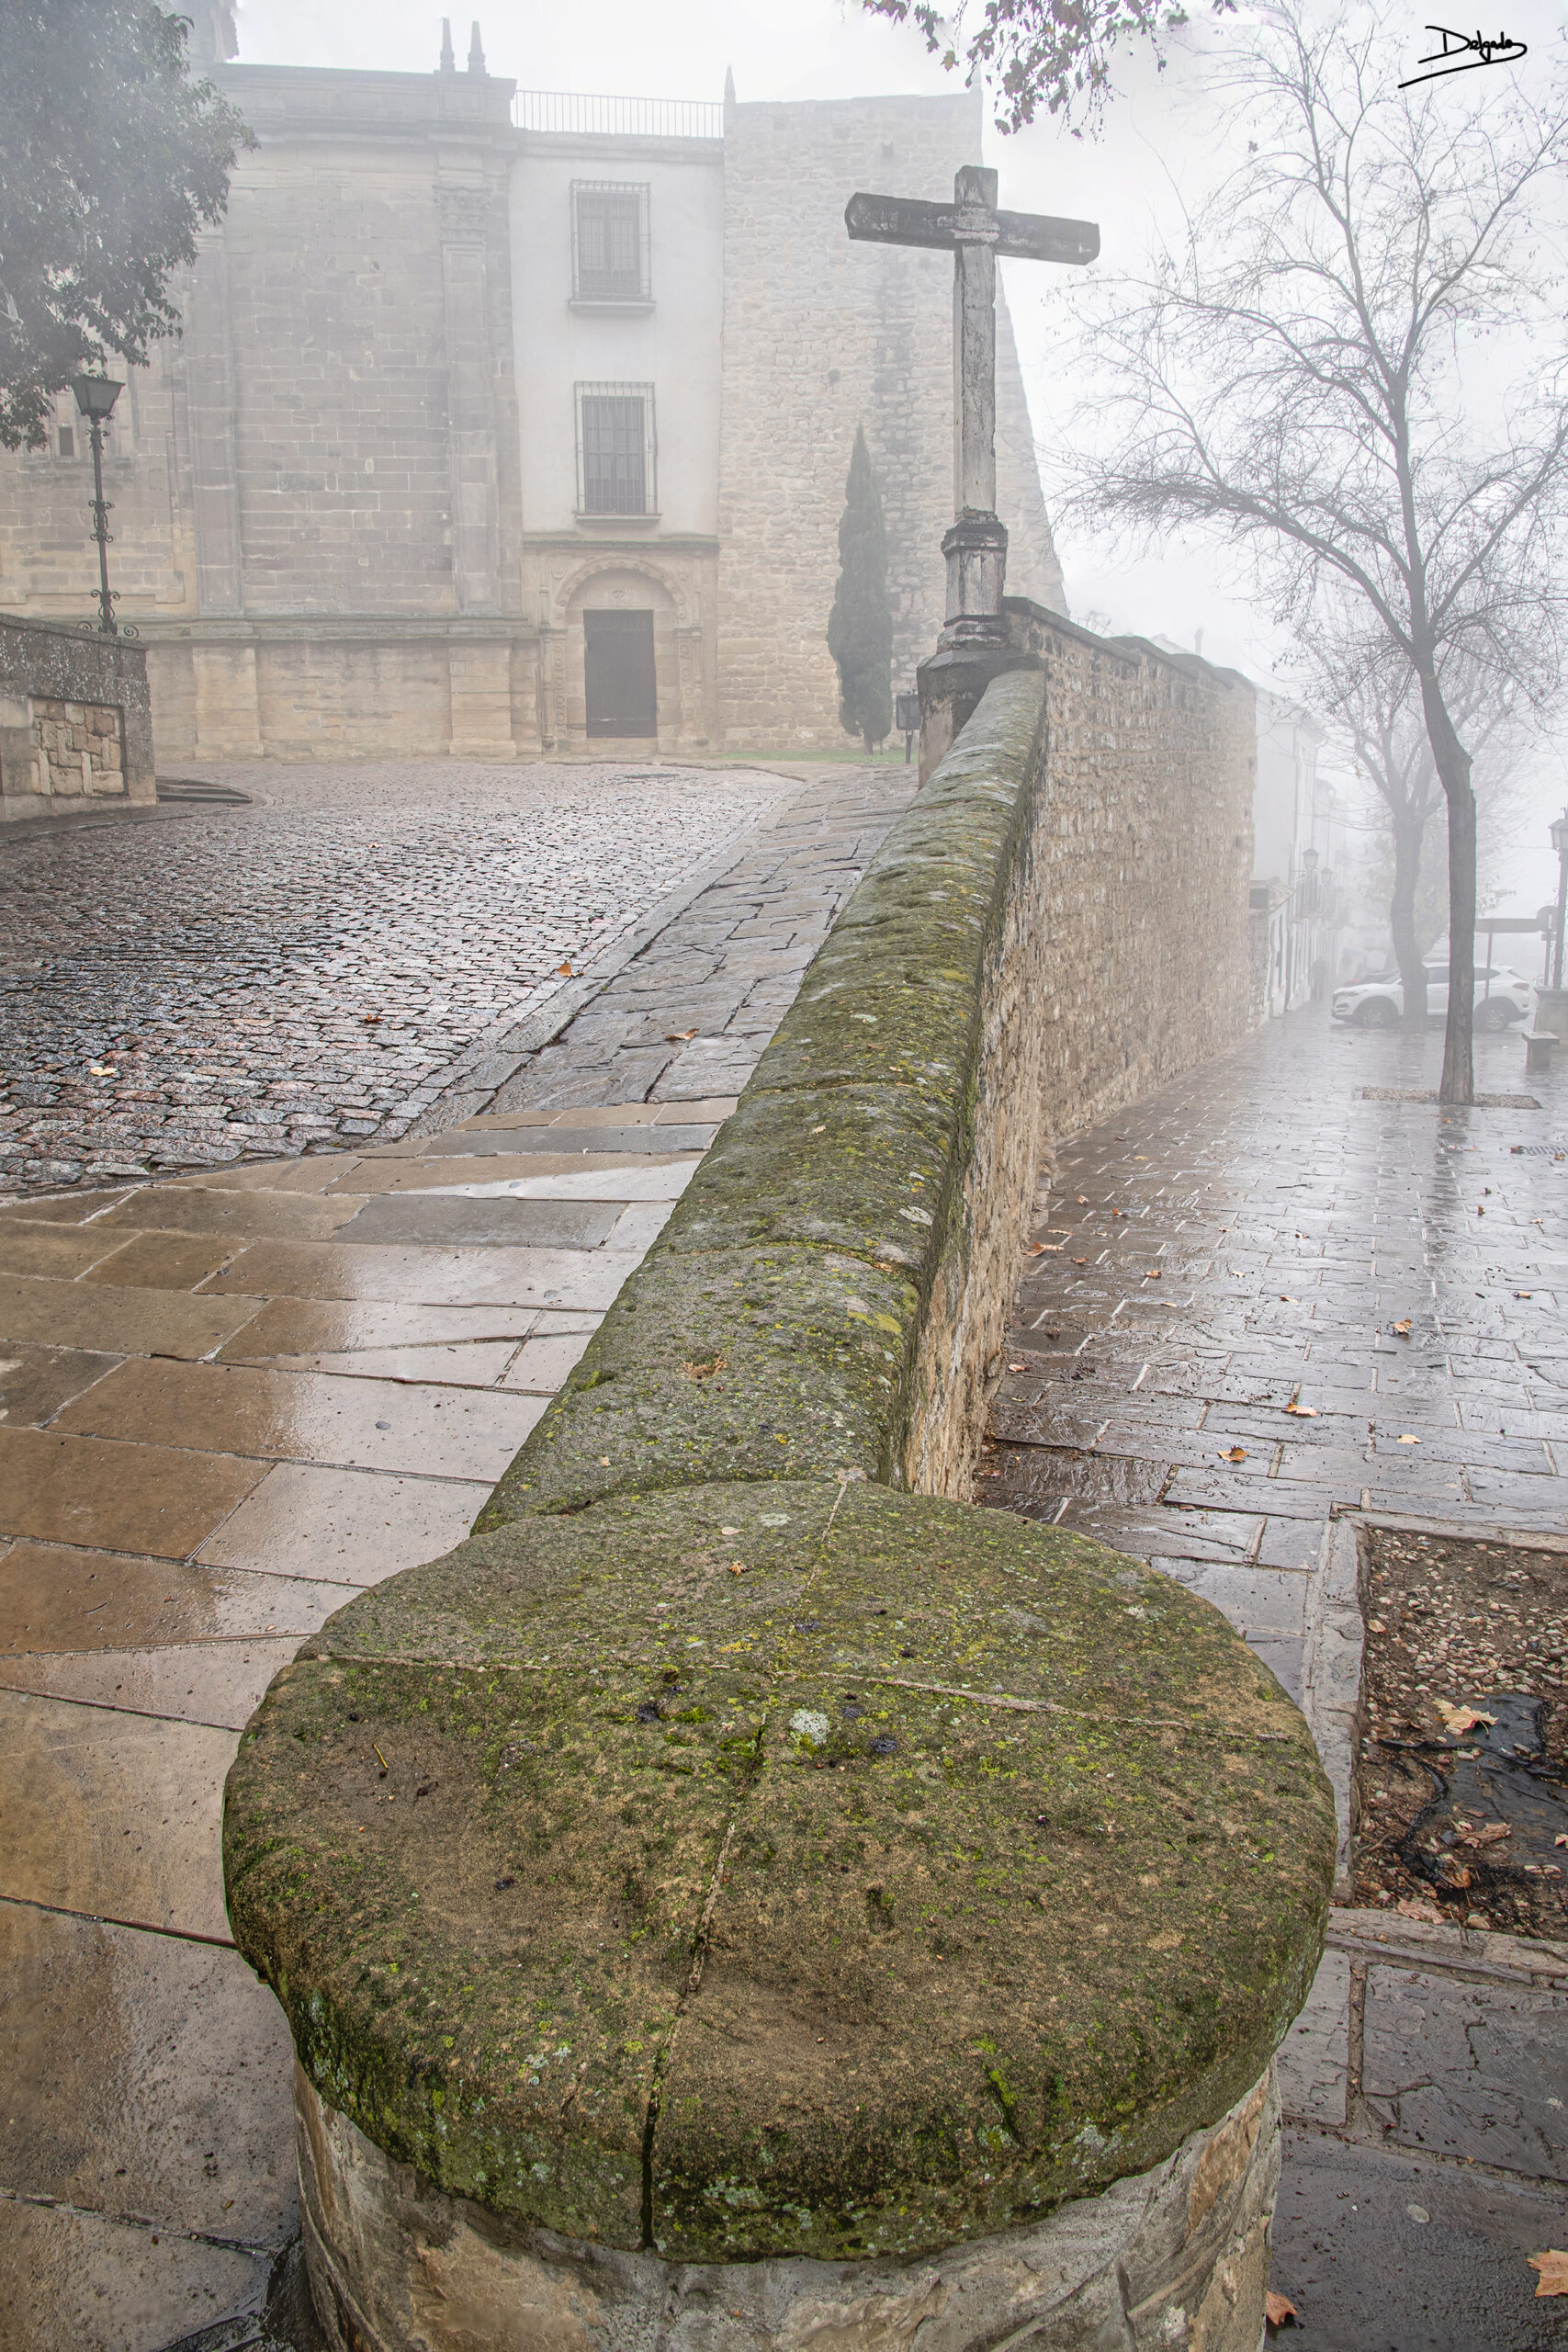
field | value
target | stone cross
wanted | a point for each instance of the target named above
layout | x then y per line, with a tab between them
974	232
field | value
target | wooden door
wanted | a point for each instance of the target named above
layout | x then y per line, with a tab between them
617	655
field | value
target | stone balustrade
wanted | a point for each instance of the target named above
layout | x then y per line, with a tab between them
746	1895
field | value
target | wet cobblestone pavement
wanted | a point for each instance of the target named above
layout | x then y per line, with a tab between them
1262	1313
235	982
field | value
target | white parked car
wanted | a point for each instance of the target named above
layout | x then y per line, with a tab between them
1501	997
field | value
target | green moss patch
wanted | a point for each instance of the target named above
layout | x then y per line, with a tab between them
764	1363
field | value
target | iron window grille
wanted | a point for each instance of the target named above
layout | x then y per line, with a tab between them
610	251
617	450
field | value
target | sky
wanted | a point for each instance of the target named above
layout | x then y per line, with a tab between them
1129	179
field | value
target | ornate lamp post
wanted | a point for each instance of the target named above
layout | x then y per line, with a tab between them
1560	843
96	396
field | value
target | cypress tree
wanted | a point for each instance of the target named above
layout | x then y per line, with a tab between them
860	626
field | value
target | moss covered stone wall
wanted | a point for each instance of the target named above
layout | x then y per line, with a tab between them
782	1865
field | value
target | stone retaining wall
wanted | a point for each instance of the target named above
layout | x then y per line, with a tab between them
809	1905
75	723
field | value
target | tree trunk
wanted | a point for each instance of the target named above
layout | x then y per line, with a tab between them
1457	1081
1408	834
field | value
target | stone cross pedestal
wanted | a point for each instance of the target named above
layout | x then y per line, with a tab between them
974	232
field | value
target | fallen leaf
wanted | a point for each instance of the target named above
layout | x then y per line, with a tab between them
1080	1261
1524	1293
679	1036
1044	1248
1551	2270
1409	1440
1402	1330
101	1070
563	971
1236	1454
820	1131
1154	1276
371	1018
1018	1367
1489	1835
1302	1412
1560	1838
1278	2308
1458	1717
1427	1911
1285	1300
738	1567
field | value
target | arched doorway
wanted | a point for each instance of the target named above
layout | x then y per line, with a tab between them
623	660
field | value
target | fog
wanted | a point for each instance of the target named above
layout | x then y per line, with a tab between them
1153	153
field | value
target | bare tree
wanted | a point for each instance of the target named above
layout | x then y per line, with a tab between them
1353	372
1368	694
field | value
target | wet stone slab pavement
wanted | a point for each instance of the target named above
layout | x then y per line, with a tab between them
233	1397
1260	1310
228	1400
213	983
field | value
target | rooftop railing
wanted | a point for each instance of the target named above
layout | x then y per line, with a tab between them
585	114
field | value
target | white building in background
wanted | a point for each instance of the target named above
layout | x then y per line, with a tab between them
1294	817
508	422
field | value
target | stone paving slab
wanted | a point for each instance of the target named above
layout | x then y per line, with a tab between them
1477	2071
88	2283
1383	2251
145	2075
233	1400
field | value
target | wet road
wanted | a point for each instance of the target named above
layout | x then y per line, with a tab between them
192	989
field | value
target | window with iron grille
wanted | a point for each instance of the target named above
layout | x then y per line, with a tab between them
615	449
609	242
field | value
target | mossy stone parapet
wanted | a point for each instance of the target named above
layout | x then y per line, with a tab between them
746	1895
780	1869
783	1322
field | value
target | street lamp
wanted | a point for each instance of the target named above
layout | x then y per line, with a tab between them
96	396
1560	843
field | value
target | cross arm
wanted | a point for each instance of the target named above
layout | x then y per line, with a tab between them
912	220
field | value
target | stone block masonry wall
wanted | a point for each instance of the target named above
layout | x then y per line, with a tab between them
318	487
331	445
75	720
829	1909
820	335
1147	862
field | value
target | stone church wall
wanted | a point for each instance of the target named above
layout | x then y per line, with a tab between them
319	513
821	335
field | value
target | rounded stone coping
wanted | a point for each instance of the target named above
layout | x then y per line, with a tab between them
780	1869
1176	2256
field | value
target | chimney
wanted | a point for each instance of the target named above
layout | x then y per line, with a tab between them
475	54
448	56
